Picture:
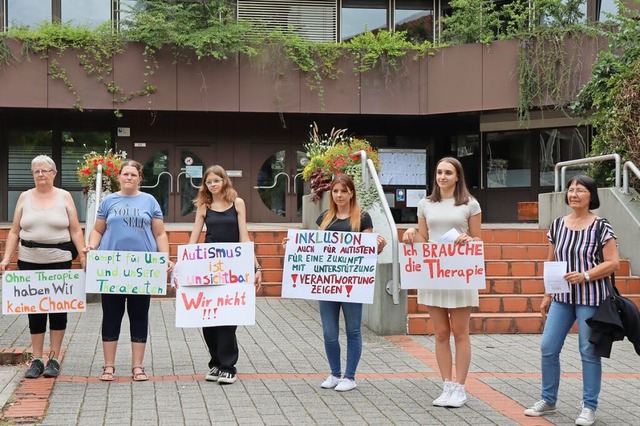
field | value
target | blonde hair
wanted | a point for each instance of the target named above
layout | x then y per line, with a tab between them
354	212
204	195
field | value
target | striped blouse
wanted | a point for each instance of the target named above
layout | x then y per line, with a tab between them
580	250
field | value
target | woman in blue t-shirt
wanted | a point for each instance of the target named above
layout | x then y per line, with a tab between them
128	220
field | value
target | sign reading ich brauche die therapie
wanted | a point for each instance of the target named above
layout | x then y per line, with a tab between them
442	266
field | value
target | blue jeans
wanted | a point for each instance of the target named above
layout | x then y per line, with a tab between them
330	316
559	321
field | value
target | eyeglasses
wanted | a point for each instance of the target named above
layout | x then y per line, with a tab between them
41	172
213	182
577	191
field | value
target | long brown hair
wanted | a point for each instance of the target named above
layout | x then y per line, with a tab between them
204	195
354	207
461	194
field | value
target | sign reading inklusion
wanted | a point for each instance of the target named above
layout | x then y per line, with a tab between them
127	272
330	265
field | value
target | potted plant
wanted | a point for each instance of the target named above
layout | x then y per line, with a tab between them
87	174
111	163
331	154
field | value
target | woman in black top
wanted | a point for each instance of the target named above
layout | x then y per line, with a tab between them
344	215
224	213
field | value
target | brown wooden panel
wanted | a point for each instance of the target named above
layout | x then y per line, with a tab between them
392	91
341	96
267	86
129	69
92	93
23	82
455	79
499	82
208	84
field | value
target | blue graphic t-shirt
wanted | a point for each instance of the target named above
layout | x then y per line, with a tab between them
129	222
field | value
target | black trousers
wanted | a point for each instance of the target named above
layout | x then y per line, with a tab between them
38	322
223	347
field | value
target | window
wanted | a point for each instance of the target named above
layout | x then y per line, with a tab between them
90	13
416	18
508	159
605	8
33	13
28	12
557	145
360	15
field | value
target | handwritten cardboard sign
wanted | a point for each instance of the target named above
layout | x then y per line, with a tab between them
127	272
330	265
207	306
215	264
442	266
45	291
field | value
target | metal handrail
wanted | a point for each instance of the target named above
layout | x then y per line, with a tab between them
158	182
98	192
275	182
562	166
625	176
395	264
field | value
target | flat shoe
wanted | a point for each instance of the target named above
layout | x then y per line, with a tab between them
140	376
108	376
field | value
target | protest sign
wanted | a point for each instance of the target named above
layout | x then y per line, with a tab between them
442	266
208	306
43	291
215	264
330	265
127	272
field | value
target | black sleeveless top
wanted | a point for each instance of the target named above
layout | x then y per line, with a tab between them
222	227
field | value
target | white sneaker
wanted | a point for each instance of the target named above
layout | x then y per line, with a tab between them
330	383
540	408
441	401
587	417
458	396
345	385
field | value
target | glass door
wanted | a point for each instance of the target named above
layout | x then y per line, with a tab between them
173	174
277	183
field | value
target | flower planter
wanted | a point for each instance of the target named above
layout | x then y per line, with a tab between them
312	209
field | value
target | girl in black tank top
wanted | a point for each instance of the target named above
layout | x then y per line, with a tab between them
224	213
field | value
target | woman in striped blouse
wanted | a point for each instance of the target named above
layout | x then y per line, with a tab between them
573	239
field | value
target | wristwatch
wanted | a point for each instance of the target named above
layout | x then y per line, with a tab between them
587	278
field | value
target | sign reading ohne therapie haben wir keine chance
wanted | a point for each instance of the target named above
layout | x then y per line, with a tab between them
330	265
44	291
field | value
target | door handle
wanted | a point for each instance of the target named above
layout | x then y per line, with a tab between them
275	182
158	182
190	181
295	188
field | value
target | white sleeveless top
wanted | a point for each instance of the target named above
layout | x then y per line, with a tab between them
46	226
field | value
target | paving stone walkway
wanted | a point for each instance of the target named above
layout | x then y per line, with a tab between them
281	365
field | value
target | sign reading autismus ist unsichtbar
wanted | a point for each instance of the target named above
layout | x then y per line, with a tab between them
45	291
215	264
330	265
442	266
127	272
215	285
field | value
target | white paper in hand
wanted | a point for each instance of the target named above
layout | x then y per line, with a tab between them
449	236
553	281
